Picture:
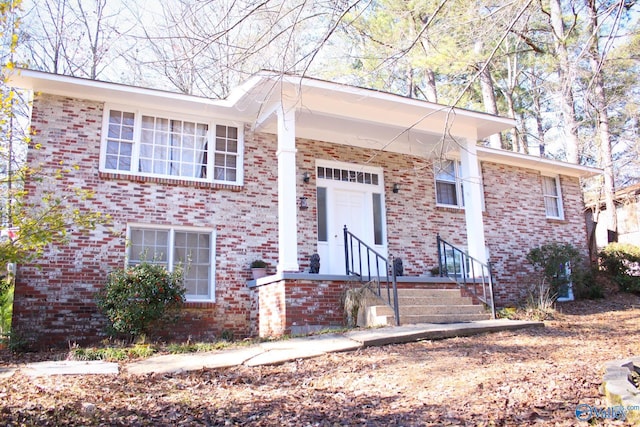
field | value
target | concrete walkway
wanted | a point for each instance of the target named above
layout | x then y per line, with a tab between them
274	352
277	352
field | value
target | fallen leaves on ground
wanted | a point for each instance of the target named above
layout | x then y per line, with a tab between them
530	377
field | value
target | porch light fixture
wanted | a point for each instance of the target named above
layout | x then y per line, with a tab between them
306	177
396	188
303	204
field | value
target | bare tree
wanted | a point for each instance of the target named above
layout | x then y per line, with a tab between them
567	76
73	37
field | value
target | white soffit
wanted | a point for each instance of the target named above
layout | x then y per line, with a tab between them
322	98
541	164
93	90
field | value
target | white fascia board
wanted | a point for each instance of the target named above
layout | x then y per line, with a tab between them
536	163
93	90
485	124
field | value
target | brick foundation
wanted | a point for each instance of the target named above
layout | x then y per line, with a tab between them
294	306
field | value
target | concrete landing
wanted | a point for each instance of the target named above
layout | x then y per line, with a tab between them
433	331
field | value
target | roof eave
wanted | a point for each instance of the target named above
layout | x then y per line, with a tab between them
94	90
537	163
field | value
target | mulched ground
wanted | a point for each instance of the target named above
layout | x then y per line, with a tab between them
532	377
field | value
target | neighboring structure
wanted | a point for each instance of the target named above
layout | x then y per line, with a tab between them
275	172
627	201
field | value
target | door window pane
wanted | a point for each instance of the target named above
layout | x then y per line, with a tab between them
322	214
377	218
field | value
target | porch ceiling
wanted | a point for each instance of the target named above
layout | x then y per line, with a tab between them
363	117
361	133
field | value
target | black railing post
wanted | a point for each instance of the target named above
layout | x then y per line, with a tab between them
396	305
350	269
493	303
439	255
346	251
467	276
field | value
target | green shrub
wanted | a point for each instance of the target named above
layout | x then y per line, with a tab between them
550	262
135	297
178	348
585	284
618	260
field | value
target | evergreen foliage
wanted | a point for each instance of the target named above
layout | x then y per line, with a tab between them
622	262
135	297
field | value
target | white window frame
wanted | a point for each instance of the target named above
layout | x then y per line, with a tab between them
557	197
458	182
170	255
135	155
457	165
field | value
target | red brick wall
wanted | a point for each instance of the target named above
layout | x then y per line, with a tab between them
299	305
412	217
294	306
515	223
514	214
272	310
54	301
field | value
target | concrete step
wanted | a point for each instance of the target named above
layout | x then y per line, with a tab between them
447	300
440	309
423	306
376	315
442	318
382	314
434	293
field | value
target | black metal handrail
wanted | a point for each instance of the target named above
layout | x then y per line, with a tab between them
372	260
467	271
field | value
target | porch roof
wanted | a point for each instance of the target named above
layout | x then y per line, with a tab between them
361	117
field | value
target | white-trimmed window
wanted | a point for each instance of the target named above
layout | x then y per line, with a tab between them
192	248
153	144
448	183
552	197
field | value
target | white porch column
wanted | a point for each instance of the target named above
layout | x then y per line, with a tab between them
287	201
472	190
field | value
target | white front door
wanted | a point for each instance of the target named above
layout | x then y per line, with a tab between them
349	209
351	196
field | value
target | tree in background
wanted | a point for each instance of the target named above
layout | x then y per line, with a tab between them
525	59
82	38
27	228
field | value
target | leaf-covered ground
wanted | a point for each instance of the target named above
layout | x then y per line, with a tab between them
529	377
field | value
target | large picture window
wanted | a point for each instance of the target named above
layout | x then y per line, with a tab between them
189	248
552	197
146	144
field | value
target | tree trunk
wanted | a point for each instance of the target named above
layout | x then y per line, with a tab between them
567	107
489	101
430	90
599	101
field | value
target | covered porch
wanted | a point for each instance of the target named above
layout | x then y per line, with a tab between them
298	110
336	148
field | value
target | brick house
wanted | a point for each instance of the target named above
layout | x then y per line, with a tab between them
275	172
